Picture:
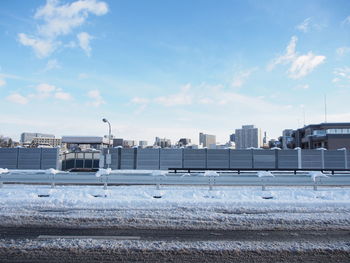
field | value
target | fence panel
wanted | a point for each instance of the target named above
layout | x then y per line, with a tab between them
49	158
334	159
127	159
311	159
195	158
264	159
219	158
171	158
8	158
287	159
241	159
147	159
29	158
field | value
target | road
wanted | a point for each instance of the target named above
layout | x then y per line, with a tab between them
35	245
246	179
170	234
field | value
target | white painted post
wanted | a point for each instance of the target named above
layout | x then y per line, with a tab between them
322	157
299	157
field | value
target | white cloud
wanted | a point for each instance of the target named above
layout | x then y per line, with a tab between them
41	47
52	64
17	98
62	95
139	100
342	51
308	24
59	20
97	98
83	76
287	57
84	42
62	19
342	76
43	90
2	82
304	86
346	21
305	25
301	65
240	78
181	98
304	65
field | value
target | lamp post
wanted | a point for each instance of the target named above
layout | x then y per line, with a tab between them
108	157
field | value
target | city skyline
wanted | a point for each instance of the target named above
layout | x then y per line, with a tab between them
203	67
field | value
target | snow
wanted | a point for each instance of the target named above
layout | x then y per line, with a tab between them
210	173
316	174
4	171
102	171
159	173
265	174
180	207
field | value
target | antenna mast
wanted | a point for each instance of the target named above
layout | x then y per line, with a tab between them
325	108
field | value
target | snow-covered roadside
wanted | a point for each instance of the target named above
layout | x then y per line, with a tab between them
178	207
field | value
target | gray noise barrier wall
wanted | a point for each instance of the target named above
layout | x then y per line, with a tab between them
219	158
171	158
311	159
264	159
8	158
241	159
195	158
127	159
29	158
334	159
147	159
287	159
49	158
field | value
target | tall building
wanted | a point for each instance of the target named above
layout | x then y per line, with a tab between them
27	137
330	136
162	142
207	140
184	142
143	144
286	139
118	142
247	137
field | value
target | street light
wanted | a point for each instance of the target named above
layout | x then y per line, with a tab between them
108	157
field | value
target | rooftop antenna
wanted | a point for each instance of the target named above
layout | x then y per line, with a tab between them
325	108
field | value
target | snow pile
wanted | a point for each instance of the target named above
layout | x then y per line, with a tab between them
52	171
102	171
159	173
265	174
4	171
211	173
316	174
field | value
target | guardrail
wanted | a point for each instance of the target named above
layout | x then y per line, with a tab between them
301	178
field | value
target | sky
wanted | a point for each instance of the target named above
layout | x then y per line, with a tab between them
172	69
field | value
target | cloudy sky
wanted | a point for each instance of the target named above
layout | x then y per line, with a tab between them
172	68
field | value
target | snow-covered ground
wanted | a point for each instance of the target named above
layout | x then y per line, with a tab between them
178	207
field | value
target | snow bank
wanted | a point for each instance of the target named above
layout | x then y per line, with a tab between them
264	174
4	171
316	174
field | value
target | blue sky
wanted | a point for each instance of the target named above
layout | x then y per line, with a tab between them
172	68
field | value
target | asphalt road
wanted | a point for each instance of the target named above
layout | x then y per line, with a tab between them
100	253
170	235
